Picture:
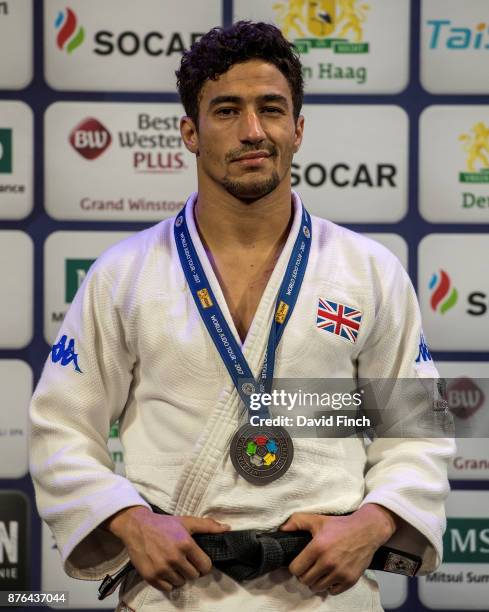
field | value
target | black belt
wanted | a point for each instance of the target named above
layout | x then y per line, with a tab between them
247	554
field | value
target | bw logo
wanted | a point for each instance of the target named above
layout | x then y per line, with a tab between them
90	138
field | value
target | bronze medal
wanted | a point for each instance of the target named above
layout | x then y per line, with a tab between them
261	454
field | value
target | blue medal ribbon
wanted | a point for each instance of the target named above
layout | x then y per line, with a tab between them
216	324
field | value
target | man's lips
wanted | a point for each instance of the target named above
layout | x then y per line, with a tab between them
256	157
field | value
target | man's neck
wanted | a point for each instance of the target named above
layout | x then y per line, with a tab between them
225	222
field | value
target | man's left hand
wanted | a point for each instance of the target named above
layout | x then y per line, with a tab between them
341	548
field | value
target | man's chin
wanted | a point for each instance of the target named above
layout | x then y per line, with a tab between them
249	191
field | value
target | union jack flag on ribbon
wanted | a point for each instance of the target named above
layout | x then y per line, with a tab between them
339	319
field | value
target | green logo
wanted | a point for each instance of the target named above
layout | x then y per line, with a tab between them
75	272
476	145
337	25
5	151
466	540
337	45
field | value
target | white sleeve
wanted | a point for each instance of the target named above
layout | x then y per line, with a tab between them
75	402
406	475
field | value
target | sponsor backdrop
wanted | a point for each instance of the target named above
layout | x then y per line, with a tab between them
396	147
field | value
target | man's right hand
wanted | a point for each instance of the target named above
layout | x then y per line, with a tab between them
161	547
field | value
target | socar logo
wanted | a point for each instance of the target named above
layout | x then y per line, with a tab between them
69	37
443	296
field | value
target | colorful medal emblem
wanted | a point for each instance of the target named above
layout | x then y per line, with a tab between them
261	455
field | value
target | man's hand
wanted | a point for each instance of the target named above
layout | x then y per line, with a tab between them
161	547
342	546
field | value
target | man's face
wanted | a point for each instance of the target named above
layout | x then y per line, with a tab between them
247	134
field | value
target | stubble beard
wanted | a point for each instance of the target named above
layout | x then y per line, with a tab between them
250	191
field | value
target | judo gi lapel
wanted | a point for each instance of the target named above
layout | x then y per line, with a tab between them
201	466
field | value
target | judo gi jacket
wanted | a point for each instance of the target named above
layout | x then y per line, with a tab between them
133	348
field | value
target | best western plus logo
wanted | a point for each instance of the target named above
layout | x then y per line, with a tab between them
464	397
319	26
90	138
70	36
5	151
445	34
466	540
444	296
155	145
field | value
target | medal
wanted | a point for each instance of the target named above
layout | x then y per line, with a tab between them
258	454
261	454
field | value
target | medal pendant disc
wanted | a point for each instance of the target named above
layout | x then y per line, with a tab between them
261	454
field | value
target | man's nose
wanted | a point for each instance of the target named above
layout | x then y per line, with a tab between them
251	129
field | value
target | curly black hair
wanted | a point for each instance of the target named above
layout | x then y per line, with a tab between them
221	48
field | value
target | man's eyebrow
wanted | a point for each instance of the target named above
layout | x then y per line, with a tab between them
274	98
238	99
220	99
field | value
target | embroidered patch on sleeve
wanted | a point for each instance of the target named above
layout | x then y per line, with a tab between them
339	319
423	350
64	353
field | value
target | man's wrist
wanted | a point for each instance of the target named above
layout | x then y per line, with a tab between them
120	522
384	521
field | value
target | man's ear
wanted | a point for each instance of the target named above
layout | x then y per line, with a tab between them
188	130
299	132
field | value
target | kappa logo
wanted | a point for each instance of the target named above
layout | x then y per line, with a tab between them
64	353
423	351
324	24
464	397
69	36
443	296
338	319
476	147
90	138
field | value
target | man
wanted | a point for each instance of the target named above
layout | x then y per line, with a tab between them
147	354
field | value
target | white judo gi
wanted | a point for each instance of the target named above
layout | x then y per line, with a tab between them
146	358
